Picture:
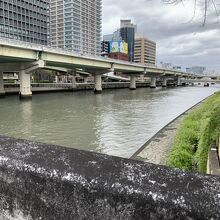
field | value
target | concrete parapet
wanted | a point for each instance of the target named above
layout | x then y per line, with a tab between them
218	144
39	181
213	162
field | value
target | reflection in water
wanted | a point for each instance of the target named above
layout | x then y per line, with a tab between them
26	116
118	122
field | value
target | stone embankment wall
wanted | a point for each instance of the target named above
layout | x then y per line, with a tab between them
39	181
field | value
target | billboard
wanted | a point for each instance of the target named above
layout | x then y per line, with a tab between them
114	47
124	47
118	46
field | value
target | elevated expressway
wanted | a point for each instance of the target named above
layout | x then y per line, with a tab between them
21	57
202	79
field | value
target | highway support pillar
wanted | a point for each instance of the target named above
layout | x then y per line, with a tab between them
25	85
57	79
25	77
164	84
98	83
72	73
73	81
2	90
179	81
132	82
153	82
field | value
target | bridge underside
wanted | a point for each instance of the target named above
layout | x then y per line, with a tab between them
25	59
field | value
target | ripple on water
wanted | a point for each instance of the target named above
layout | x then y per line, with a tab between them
118	122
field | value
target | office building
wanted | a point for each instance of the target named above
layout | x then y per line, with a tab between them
76	25
127	33
108	37
117	36
144	51
105	48
24	20
127	23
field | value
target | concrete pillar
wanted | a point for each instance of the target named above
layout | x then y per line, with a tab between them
57	79
164	82
73	81
98	83
25	85
153	82
2	90
132	82
72	73
179	81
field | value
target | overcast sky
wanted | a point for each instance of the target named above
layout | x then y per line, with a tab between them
179	40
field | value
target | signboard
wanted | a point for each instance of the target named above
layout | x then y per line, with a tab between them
124	47
118	46
114	47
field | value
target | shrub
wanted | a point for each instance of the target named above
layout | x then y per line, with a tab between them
196	134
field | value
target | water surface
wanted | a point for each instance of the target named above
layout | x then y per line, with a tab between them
118	122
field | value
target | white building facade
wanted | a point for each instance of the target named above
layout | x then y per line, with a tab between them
76	25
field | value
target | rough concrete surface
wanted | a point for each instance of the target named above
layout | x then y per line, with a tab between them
40	181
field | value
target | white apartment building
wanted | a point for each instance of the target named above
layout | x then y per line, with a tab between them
57	23
76	25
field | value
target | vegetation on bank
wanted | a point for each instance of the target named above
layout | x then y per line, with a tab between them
198	131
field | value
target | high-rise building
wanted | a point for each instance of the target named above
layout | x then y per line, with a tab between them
144	51
76	25
127	33
57	23
117	36
24	20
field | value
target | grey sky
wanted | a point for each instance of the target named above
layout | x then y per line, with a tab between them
179	41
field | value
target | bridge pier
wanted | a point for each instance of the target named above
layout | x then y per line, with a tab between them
73	74
132	82
25	85
98	83
73	81
57	79
153	82
2	90
179	81
164	84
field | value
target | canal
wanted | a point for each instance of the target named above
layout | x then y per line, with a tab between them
118	122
